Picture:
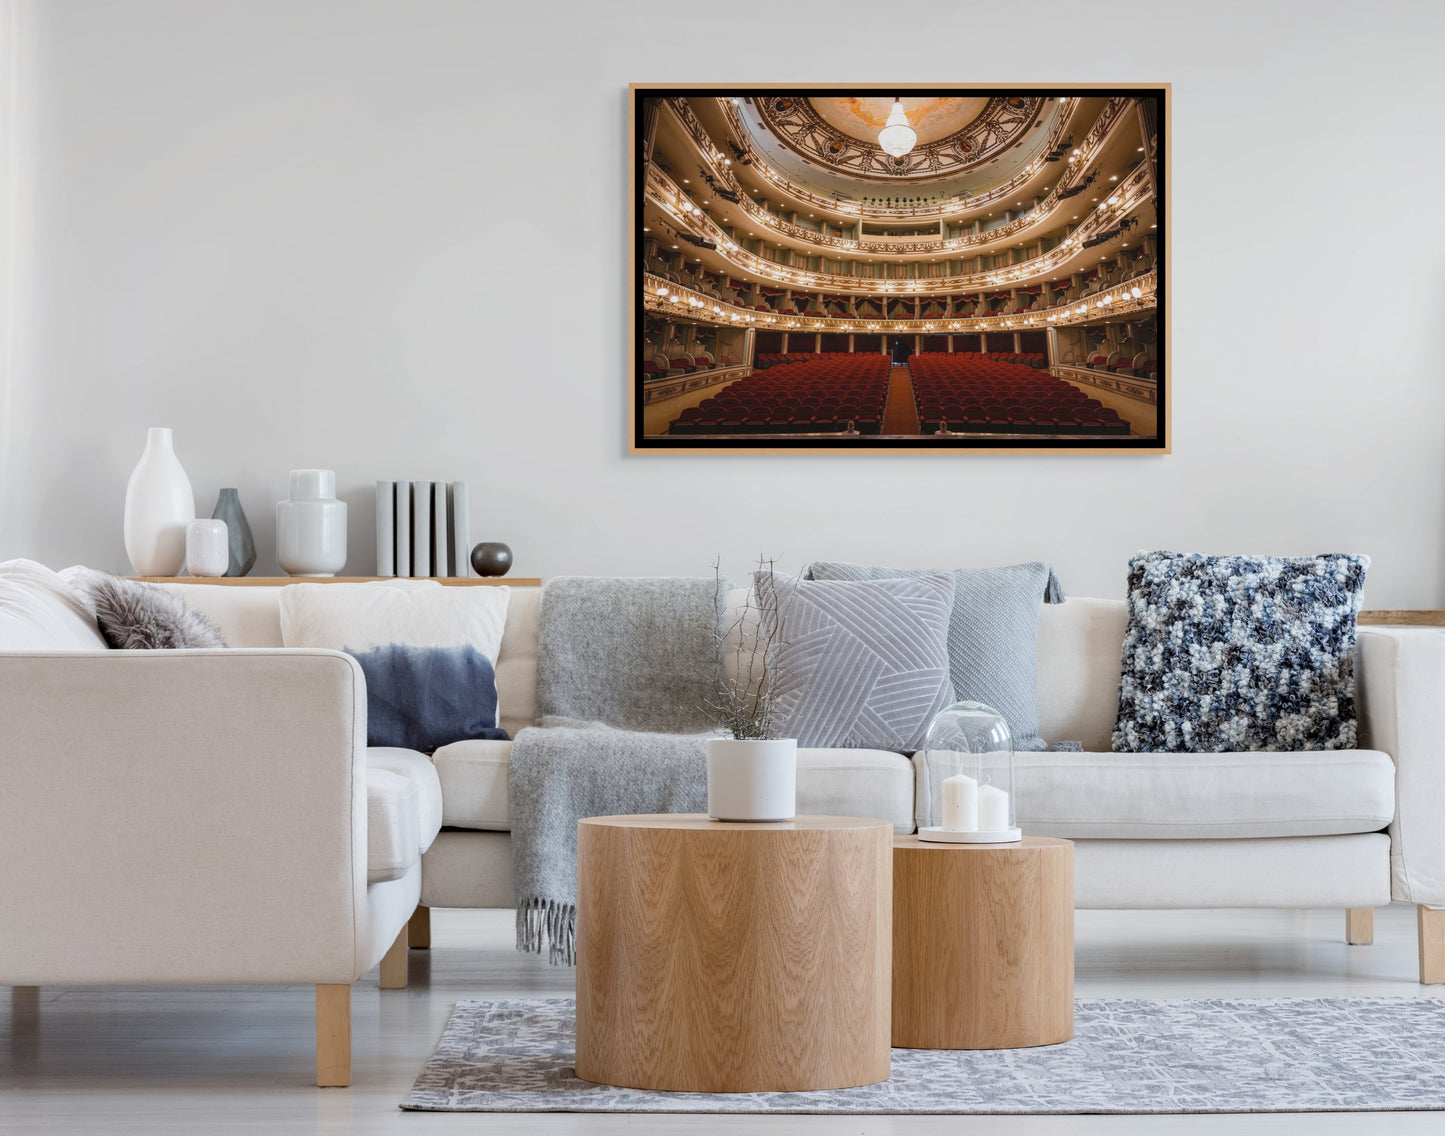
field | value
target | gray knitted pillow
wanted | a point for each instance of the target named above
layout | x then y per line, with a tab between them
136	616
858	664
992	634
1232	653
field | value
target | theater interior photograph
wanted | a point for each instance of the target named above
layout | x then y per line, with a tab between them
869	269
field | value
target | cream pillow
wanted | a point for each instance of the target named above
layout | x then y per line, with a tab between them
39	612
422	613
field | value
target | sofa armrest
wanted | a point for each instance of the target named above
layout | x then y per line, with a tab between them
1401	697
182	816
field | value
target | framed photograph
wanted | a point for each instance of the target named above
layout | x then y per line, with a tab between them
884	269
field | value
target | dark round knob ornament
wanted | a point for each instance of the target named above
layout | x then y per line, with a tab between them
492	558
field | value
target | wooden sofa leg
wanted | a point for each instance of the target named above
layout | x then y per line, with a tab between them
393	964
418	930
333	1035
1432	944
1359	926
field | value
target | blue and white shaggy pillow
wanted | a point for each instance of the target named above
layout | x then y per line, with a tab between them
428	653
1232	653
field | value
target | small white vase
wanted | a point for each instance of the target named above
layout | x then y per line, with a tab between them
159	505
311	526
208	549
752	780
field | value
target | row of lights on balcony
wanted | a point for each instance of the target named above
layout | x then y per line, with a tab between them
692	301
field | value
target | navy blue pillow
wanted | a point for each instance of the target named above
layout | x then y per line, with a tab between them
423	698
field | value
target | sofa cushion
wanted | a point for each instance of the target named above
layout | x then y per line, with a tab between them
1228	653
428	653
393	828
135	616
992	634
1169	796
417	769
831	782
861	664
40	612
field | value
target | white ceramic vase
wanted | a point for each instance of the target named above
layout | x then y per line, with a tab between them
311	526
208	549
159	505
752	780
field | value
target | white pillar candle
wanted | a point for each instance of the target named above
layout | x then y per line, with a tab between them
992	809
960	803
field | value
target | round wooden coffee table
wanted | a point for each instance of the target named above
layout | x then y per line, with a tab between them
983	944
724	957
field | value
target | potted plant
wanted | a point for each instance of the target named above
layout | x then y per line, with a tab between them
751	775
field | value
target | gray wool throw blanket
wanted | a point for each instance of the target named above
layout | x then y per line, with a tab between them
624	670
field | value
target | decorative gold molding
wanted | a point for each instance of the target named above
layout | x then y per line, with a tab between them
1099	133
1108	116
687	303
1144	390
1131	193
796	123
671	388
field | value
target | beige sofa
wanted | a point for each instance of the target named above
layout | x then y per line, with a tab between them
1351	829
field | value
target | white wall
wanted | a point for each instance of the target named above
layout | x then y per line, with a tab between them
320	232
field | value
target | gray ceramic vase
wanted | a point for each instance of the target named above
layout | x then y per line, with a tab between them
238	533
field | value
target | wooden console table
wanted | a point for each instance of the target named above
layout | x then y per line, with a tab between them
1402	619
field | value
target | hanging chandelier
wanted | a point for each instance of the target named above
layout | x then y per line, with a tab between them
897	137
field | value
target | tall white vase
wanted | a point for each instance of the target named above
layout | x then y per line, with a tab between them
159	505
311	526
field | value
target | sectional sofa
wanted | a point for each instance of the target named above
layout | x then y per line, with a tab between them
1351	829
216	817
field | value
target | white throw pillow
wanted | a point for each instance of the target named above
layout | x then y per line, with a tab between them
358	617
39	612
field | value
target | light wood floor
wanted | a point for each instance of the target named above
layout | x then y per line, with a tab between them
240	1060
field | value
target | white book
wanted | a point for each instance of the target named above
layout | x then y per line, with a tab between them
440	533
461	529
421	528
386	528
403	528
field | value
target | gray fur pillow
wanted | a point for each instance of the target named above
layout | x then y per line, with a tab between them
141	617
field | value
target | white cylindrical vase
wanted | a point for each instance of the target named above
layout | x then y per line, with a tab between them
159	505
311	526
208	548
752	779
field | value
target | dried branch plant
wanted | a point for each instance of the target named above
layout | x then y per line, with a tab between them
746	649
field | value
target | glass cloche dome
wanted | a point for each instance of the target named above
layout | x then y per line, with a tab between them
968	777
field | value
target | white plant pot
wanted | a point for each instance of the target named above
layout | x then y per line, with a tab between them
752	780
159	505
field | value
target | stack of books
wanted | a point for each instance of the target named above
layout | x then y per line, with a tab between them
423	528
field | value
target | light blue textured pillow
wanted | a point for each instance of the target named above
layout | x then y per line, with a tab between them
858	664
992	634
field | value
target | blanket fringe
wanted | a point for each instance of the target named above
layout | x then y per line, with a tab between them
548	922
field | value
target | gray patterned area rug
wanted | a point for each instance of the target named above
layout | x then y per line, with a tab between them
1127	1056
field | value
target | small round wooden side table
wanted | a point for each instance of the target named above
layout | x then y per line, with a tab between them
723	957
983	944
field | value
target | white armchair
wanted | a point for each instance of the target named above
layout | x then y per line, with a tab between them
202	817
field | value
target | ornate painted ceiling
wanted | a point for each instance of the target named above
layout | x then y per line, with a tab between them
840	134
